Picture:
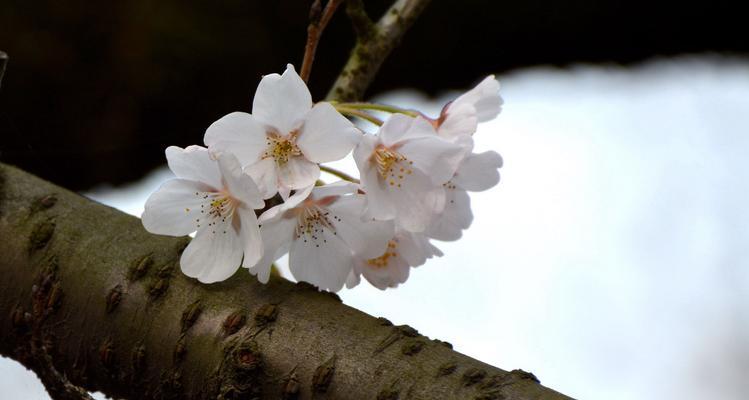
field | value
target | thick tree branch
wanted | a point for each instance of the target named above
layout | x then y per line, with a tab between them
117	315
373	47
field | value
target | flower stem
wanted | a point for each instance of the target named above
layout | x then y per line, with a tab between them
359	114
317	25
340	174
378	107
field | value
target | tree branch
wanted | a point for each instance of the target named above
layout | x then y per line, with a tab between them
118	316
3	63
372	49
318	21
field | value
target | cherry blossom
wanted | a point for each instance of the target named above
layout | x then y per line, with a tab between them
477	172
461	116
214	198
391	268
402	170
281	143
323	231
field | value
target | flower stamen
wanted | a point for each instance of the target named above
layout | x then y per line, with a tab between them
281	148
387	160
383	260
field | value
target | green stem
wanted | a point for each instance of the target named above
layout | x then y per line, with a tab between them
340	174
378	107
359	114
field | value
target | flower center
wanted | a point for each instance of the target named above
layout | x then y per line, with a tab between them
391	165
281	148
216	207
311	221
383	260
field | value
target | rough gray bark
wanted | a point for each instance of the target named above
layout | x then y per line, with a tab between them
86	286
374	43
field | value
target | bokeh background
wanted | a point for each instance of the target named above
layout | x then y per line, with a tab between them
612	258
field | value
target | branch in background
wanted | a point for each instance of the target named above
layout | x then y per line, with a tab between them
372	49
3	63
362	24
318	21
122	319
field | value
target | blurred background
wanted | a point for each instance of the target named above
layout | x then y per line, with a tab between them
612	259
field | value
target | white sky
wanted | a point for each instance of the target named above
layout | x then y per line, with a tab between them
613	258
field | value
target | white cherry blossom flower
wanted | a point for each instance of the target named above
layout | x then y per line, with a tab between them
214	198
392	267
285	137
461	116
477	172
323	230
402	170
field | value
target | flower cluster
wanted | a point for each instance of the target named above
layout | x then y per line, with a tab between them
415	175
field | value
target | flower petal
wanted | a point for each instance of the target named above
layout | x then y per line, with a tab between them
478	171
485	99
194	163
277	235
434	156
327	135
240	185
249	235
263	173
460	120
395	273
281	101
400	127
214	255
456	216
353	278
237	133
415	248
367	238
174	207
298	173
325	262
335	189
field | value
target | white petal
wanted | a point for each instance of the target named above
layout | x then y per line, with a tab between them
416	208
415	248
249	234
263	173
335	189
456	216
460	120
395	273
174	207
435	156
353	278
478	171
277	235
240	185
379	205
399	128
325	262
327	135
237	133
367	238
281	101
484	97
214	255
194	163
298	173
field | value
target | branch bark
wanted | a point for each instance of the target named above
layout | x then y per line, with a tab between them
374	43
116	315
3	63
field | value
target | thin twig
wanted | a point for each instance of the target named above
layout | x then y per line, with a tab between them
371	51
340	174
317	25
3	63
360	114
